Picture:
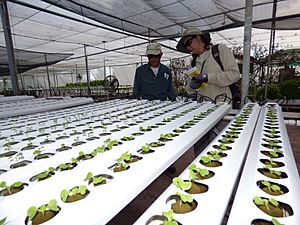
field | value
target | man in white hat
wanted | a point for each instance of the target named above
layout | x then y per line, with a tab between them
153	81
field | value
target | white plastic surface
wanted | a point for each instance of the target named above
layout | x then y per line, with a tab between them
212	204
107	200
244	210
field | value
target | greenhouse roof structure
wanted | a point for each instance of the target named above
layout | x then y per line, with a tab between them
115	32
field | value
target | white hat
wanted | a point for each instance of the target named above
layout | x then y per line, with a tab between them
153	49
187	34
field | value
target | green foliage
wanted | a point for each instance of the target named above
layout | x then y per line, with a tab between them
124	157
275	222
185	198
273	187
183	185
272	93
169	216
32	211
146	148
260	201
194	170
94	83
289	89
2	221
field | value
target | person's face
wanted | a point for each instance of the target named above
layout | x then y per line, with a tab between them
154	60
195	45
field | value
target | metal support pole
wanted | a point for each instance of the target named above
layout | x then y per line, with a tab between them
49	85
246	50
54	78
104	69
9	47
271	46
87	71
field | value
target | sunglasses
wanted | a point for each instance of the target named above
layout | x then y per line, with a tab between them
153	56
188	42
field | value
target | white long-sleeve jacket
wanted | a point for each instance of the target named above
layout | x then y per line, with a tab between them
218	80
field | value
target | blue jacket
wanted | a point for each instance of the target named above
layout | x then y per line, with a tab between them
151	87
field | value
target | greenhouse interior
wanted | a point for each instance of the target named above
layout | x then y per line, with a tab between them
150	112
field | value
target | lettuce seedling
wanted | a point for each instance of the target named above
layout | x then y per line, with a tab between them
183	185
206	159
193	175
46	173
271	187
95	180
17	184
260	201
169	216
32	211
146	148
73	192
124	157
184	198
16	157
2	221
275	222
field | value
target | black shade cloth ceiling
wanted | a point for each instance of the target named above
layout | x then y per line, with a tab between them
27	60
169	18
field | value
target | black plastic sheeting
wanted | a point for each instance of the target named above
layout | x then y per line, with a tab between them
27	60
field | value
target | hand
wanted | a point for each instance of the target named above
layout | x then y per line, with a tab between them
196	81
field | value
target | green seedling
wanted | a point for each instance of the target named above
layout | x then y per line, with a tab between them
169	216
194	170
271	187
146	148
95	180
64	194
260	202
16	157
64	166
184	198
222	146
124	157
276	222
276	172
127	138
46	173
206	159
183	185
17	184
38	151
166	136
2	221
216	154
32	211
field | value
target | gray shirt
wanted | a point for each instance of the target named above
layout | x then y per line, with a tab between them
148	86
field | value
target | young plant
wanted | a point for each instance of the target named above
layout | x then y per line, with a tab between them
46	174
146	148
2	221
276	222
183	185
3	185
64	194
271	187
184	198
260	202
165	137
194	170
125	157
38	151
206	159
32	211
16	157
95	180
169	216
